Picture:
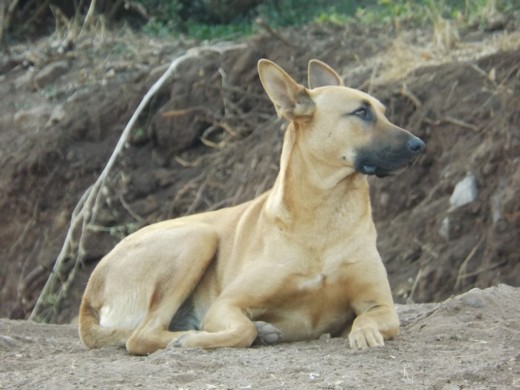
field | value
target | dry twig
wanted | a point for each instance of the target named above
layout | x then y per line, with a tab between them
409	299
188	164
452	121
127	207
7	14
87	22
462	274
410	95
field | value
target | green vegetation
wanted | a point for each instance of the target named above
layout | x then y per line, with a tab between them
473	13
229	19
206	19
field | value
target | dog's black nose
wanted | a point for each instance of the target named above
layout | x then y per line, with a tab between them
415	145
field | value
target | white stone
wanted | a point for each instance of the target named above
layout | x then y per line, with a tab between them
465	192
57	115
444	230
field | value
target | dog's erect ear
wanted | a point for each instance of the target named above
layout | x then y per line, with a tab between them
291	99
322	75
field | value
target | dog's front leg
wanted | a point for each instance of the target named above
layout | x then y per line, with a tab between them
371	300
372	327
225	325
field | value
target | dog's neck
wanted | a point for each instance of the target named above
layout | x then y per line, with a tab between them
308	191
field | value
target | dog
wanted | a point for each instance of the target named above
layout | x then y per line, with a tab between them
297	262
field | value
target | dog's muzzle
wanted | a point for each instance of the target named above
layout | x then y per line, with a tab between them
383	160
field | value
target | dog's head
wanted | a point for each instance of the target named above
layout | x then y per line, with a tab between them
339	126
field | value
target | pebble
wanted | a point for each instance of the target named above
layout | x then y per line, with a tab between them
450	386
444	230
465	192
57	115
474	298
50	73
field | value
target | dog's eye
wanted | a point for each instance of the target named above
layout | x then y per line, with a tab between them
364	113
361	113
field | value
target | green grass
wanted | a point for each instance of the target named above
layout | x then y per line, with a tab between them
203	31
281	13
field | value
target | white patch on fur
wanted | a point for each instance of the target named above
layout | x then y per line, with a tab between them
313	283
125	312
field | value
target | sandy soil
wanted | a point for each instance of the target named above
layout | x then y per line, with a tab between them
470	341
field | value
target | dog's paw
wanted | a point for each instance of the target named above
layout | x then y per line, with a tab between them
178	342
267	333
363	338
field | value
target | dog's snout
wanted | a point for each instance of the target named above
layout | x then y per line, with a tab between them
415	145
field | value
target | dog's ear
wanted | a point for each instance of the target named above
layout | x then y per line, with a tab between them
290	99
321	75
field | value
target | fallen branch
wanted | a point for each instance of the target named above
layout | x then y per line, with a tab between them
84	214
452	121
409	299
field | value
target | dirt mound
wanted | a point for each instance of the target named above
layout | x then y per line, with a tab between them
469	341
210	139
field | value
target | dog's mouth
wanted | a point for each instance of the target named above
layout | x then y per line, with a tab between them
381	171
385	161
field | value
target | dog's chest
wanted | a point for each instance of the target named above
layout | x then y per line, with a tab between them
296	284
304	270
309	306
307	301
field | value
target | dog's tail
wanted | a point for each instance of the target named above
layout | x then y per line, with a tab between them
95	336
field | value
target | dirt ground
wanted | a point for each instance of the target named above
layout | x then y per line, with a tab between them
471	341
210	139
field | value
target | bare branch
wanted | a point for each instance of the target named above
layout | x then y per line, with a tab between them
85	212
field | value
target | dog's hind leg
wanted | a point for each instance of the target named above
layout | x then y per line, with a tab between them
178	277
226	324
135	291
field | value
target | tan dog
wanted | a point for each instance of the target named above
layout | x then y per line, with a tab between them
294	263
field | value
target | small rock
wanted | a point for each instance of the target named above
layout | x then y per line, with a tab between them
33	118
7	343
325	337
23	82
474	298
444	230
465	192
384	199
57	115
497	200
111	73
50	73
450	386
